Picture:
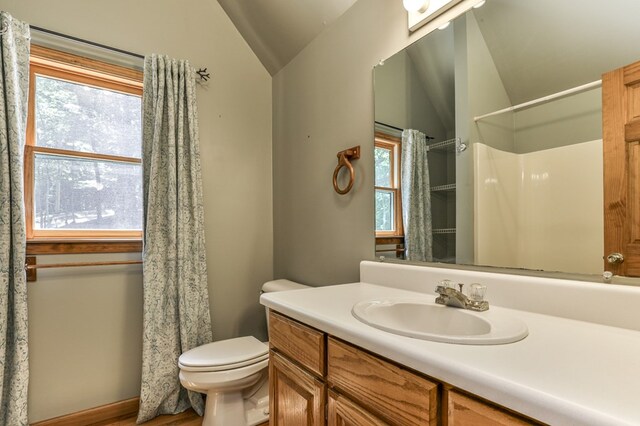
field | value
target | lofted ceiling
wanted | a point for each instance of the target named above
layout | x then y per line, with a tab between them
545	46
277	30
538	47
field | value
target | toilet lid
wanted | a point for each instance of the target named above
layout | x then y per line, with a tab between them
228	353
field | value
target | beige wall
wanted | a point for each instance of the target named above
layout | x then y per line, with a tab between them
565	121
401	99
85	325
323	103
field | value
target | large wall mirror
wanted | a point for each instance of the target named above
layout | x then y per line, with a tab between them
489	136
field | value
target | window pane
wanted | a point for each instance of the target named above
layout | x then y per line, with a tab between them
384	211
83	194
383	167
83	118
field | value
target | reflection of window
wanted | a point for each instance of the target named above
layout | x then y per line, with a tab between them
387	186
83	174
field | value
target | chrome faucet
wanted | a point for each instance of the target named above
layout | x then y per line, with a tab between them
449	296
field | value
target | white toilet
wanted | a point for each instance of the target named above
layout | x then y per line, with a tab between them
234	375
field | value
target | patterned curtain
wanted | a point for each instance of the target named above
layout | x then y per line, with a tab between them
416	196
14	87
176	299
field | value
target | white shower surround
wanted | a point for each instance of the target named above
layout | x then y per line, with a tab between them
558	197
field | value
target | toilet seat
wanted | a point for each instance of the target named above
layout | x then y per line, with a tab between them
224	355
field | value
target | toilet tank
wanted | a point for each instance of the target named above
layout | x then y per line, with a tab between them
279	285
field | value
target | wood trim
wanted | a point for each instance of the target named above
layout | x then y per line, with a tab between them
52	58
37	247
80	233
110	412
96	80
29	185
614	166
384	137
380	241
82	154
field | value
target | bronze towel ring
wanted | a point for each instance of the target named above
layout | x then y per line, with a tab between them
343	161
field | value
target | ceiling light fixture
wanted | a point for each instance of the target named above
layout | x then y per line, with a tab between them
416	5
480	4
444	26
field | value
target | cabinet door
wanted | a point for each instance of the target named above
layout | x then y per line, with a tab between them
343	412
621	156
296	398
464	411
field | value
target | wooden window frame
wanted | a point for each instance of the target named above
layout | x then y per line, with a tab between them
394	144
75	69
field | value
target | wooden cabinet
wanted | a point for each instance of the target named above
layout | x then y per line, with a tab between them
297	361
317	379
386	389
298	342
462	410
296	398
343	412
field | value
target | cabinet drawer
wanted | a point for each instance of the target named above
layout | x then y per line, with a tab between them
299	342
343	412
391	392
465	411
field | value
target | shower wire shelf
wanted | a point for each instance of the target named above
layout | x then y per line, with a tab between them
443	231
444	144
447	187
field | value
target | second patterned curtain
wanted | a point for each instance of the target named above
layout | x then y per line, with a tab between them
416	196
176	302
14	356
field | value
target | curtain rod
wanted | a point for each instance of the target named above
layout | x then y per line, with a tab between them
389	126
567	92
399	129
81	40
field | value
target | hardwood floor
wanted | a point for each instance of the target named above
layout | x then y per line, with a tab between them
188	418
122	413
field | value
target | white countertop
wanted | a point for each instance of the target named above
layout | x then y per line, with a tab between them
566	372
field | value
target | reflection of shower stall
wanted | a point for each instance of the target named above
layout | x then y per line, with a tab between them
442	177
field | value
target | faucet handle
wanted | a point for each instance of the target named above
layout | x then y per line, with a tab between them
477	292
445	283
460	285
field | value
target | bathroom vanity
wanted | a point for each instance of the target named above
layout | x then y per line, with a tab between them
575	366
316	376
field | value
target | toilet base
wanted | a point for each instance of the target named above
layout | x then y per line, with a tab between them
233	409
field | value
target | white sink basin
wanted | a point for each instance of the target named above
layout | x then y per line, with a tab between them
424	319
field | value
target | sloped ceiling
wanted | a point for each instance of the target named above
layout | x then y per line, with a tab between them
545	46
539	47
277	30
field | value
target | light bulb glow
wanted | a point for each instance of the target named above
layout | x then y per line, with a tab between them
444	26
416	5
480	4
